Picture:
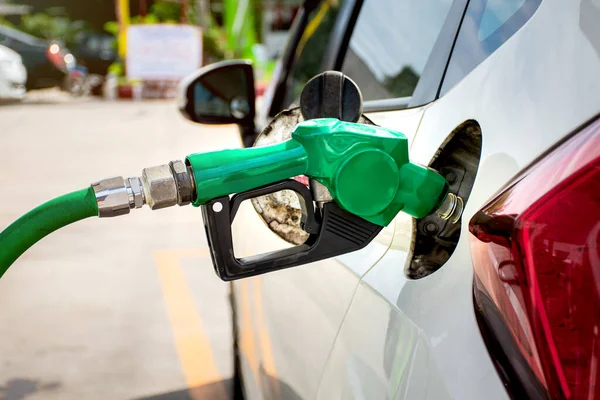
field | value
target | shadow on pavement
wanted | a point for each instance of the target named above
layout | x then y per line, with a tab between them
221	390
18	388
51	96
9	103
277	389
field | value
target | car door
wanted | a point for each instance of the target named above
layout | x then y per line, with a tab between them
411	330
288	321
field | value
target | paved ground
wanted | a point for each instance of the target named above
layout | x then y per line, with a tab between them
125	308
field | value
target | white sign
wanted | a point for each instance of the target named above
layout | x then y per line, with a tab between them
163	51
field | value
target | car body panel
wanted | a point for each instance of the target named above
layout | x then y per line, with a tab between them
405	121
410	339
279	351
273	309
13	75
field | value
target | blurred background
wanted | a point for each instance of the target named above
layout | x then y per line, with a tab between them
124	308
87	41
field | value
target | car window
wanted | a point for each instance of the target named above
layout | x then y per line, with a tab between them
495	14
486	26
312	47
391	43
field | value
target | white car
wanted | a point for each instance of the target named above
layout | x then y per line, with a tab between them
502	97
13	75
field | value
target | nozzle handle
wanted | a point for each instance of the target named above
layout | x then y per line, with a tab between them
221	173
334	233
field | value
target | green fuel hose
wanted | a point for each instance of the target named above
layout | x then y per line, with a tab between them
43	220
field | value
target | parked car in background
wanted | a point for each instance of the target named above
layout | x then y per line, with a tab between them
501	303
47	62
13	75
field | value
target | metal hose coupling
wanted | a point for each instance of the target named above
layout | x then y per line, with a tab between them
159	187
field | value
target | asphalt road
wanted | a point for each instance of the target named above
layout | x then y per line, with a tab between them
122	308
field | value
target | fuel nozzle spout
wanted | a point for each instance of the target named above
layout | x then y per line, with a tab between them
451	208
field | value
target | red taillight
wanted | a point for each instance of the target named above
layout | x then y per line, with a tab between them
535	255
54	54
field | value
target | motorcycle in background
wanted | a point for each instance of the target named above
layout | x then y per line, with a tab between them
79	82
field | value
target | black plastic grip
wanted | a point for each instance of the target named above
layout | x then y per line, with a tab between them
333	233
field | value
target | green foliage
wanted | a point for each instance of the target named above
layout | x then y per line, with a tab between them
112	27
215	44
5	22
165	11
116	68
148	19
52	24
160	12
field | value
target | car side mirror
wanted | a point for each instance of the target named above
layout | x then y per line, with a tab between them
220	93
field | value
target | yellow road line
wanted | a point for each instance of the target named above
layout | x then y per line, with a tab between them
265	344
191	341
246	329
268	361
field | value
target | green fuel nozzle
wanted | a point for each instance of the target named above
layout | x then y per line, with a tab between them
365	168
